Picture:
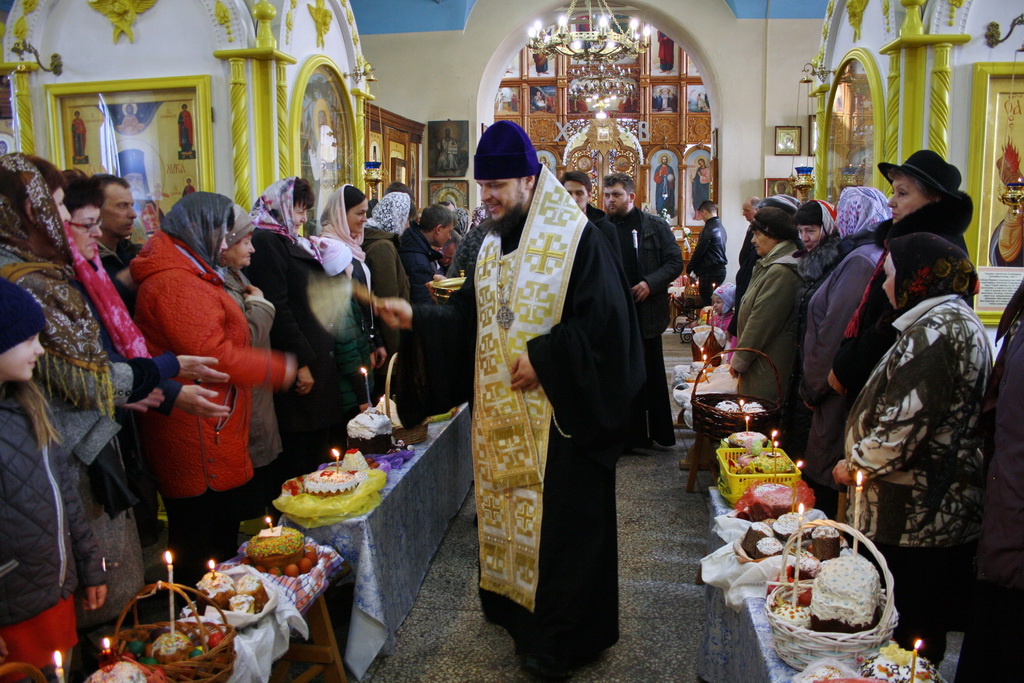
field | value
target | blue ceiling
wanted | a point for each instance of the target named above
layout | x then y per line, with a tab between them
411	16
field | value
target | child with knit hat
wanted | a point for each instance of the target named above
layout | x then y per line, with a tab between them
39	570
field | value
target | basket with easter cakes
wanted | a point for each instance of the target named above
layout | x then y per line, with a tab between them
334	492
184	649
845	611
240	592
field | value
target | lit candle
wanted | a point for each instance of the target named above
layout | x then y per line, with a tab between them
775	442
366	380
58	665
856	508
913	662
792	504
337	458
107	657
211	564
799	552
270	522
170	580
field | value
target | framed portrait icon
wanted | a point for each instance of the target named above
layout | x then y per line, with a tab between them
154	133
787	140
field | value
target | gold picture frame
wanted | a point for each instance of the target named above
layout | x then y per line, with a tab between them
156	133
994	238
787	141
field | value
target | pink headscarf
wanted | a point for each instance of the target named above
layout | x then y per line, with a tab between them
127	338
334	221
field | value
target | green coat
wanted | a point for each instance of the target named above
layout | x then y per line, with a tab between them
387	273
767	322
351	352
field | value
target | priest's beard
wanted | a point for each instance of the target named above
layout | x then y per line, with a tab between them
511	220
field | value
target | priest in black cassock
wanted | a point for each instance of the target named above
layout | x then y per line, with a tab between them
544	339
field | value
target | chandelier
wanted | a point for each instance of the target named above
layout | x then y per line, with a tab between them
601	81
577	37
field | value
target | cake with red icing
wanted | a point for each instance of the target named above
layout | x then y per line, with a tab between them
332	481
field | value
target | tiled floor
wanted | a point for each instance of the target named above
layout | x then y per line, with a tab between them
662	536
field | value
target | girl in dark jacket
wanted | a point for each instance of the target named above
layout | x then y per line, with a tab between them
39	571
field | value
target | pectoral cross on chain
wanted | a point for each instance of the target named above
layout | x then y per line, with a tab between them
545	253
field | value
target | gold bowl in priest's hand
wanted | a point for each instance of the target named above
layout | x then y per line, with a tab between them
442	289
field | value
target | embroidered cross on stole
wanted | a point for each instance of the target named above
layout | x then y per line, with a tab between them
519	296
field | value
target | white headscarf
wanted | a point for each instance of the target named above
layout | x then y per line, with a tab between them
392	213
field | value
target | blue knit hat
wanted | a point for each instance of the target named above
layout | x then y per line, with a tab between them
505	151
21	314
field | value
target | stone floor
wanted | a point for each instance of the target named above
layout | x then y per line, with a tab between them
662	536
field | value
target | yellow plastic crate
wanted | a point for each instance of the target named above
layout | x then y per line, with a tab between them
733	485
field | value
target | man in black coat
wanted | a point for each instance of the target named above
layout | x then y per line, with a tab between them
579	187
420	250
708	261
651	260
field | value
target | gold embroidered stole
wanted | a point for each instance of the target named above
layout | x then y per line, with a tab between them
510	428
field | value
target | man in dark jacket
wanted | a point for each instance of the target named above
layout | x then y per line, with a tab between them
579	187
708	261
420	250
117	216
651	260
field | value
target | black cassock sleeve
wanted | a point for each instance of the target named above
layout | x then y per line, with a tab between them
590	364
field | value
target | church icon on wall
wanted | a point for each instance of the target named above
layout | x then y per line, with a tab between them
186	147
78	134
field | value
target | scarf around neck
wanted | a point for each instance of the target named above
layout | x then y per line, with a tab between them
75	367
334	220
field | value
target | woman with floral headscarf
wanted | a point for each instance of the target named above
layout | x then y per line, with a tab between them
859	210
380	244
95	362
182	306
282	265
914	432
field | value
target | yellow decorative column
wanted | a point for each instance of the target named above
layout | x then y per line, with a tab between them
265	62
942	77
240	132
284	149
23	114
821	153
910	54
359	136
891	151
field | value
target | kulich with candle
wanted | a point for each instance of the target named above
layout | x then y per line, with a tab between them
371	432
217	586
893	663
276	547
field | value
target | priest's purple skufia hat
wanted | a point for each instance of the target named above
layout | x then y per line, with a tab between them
505	151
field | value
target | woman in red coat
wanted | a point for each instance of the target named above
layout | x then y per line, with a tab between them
201	464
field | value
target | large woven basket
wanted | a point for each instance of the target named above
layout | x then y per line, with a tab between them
215	665
409	435
718	424
26	670
799	646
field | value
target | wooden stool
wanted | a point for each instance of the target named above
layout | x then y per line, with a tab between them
321	650
701	445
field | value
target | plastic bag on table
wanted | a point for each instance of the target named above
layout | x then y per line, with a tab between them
765	499
313	511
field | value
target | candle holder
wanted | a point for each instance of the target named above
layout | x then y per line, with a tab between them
372	175
1013	197
803	182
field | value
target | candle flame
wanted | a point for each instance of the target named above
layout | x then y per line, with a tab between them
211	564
799	464
168	558
800	509
58	659
269	522
775	433
336	453
106	643
917	644
860	478
362	370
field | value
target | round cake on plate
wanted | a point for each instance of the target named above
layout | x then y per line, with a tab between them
278	550
332	481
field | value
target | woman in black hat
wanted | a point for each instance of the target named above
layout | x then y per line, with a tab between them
925	198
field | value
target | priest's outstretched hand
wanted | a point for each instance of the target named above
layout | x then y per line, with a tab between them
395	312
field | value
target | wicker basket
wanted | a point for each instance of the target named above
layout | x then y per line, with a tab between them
799	646
409	435
718	424
215	665
26	670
